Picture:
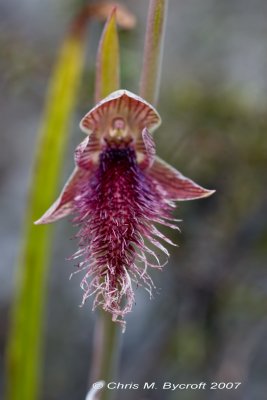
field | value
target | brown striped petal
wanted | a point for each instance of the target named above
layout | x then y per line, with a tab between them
137	113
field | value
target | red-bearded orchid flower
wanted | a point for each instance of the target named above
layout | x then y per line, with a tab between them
117	193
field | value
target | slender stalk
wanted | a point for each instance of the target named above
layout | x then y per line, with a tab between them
105	356
153	51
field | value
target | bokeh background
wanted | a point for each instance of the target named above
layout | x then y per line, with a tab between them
207	321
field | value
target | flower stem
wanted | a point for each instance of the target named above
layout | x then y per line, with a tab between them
152	59
105	352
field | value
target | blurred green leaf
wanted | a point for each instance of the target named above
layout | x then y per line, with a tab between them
24	353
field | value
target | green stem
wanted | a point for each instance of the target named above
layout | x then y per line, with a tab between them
105	352
152	59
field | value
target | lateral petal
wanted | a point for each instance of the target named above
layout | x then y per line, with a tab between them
63	206
145	149
86	154
177	186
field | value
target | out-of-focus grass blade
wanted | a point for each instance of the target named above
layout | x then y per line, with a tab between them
152	59
108	60
23	358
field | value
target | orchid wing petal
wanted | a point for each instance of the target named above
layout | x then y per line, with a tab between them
146	149
87	153
64	205
176	186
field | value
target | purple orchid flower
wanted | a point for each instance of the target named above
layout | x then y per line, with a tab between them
117	193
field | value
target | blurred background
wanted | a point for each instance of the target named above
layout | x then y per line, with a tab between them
207	321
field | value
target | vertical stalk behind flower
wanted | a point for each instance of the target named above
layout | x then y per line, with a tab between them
106	352
152	58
